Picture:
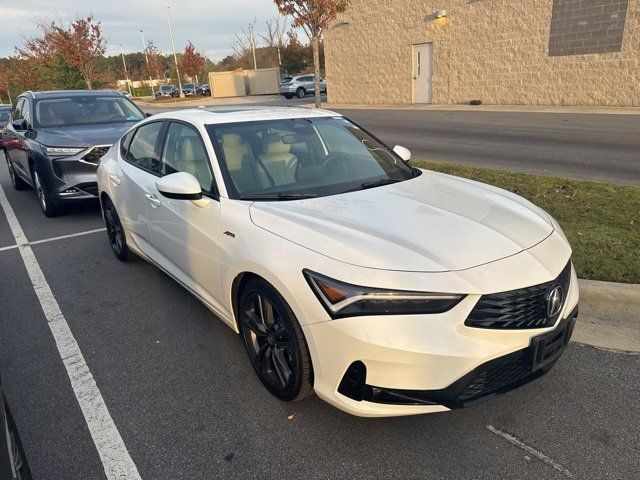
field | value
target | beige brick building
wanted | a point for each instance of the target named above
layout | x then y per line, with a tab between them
545	52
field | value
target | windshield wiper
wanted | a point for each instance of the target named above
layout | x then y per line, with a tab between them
281	197
374	184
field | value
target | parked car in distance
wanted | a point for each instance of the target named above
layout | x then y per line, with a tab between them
387	289
204	90
55	140
167	91
5	115
189	89
13	462
300	86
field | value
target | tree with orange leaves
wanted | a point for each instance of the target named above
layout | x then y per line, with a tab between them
314	17
191	62
81	45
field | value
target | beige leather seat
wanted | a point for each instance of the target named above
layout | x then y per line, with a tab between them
194	161
241	163
278	160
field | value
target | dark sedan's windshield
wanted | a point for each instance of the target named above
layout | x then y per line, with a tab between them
298	158
85	110
5	113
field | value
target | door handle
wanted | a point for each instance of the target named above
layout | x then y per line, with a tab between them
115	179
153	200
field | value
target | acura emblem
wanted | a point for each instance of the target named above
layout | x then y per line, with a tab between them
554	302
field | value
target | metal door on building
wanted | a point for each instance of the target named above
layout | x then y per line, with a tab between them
422	72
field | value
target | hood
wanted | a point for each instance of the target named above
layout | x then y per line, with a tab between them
432	223
83	135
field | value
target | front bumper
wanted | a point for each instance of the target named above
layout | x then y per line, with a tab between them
417	364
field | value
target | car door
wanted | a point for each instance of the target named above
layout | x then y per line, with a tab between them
15	144
309	84
139	168
184	232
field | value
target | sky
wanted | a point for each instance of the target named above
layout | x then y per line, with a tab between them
209	24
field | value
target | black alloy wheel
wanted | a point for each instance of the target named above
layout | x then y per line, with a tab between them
275	342
115	232
47	205
16	181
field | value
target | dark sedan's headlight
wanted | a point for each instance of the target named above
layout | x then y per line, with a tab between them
345	300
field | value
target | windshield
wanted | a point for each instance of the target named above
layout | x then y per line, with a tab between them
298	158
5	113
84	110
167	88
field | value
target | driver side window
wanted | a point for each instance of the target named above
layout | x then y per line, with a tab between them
184	151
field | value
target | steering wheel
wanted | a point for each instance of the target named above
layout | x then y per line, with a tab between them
333	158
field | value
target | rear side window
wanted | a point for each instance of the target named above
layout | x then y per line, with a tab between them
17	112
142	150
124	143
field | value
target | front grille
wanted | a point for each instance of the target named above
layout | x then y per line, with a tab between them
95	154
498	377
524	308
90	187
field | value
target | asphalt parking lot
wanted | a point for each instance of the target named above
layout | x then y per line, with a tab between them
187	404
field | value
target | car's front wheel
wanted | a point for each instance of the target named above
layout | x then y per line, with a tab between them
48	206
16	181
115	232
301	92
275	342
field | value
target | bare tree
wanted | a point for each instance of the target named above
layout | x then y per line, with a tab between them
273	36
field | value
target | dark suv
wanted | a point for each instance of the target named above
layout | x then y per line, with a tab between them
54	141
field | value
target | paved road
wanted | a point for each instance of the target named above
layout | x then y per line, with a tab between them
585	146
187	404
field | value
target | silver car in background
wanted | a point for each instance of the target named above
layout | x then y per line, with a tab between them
300	86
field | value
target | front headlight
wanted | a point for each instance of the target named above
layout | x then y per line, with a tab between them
345	300
61	151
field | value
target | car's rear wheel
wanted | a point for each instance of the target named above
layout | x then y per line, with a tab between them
301	92
48	206
288	96
16	181
115	232
275	342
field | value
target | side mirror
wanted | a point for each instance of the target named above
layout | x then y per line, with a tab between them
147	114
19	125
402	152
180	186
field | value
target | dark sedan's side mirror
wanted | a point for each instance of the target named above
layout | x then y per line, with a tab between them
19	125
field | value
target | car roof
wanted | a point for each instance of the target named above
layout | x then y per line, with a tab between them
220	115
72	93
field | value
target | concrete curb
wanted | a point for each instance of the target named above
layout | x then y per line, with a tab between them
609	316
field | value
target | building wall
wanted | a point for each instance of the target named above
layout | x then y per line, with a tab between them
545	52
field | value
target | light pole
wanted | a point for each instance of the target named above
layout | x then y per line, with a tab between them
126	74
146	57
175	57
253	45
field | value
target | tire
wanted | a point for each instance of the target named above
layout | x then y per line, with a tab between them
274	342
16	181
301	92
15	450
49	207
115	232
288	96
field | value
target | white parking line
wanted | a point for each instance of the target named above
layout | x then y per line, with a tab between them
539	455
112	451
53	239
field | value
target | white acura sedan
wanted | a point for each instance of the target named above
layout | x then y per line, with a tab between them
386	289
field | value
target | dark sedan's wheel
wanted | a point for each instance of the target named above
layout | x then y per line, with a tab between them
301	92
275	342
48	206
16	181
115	232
